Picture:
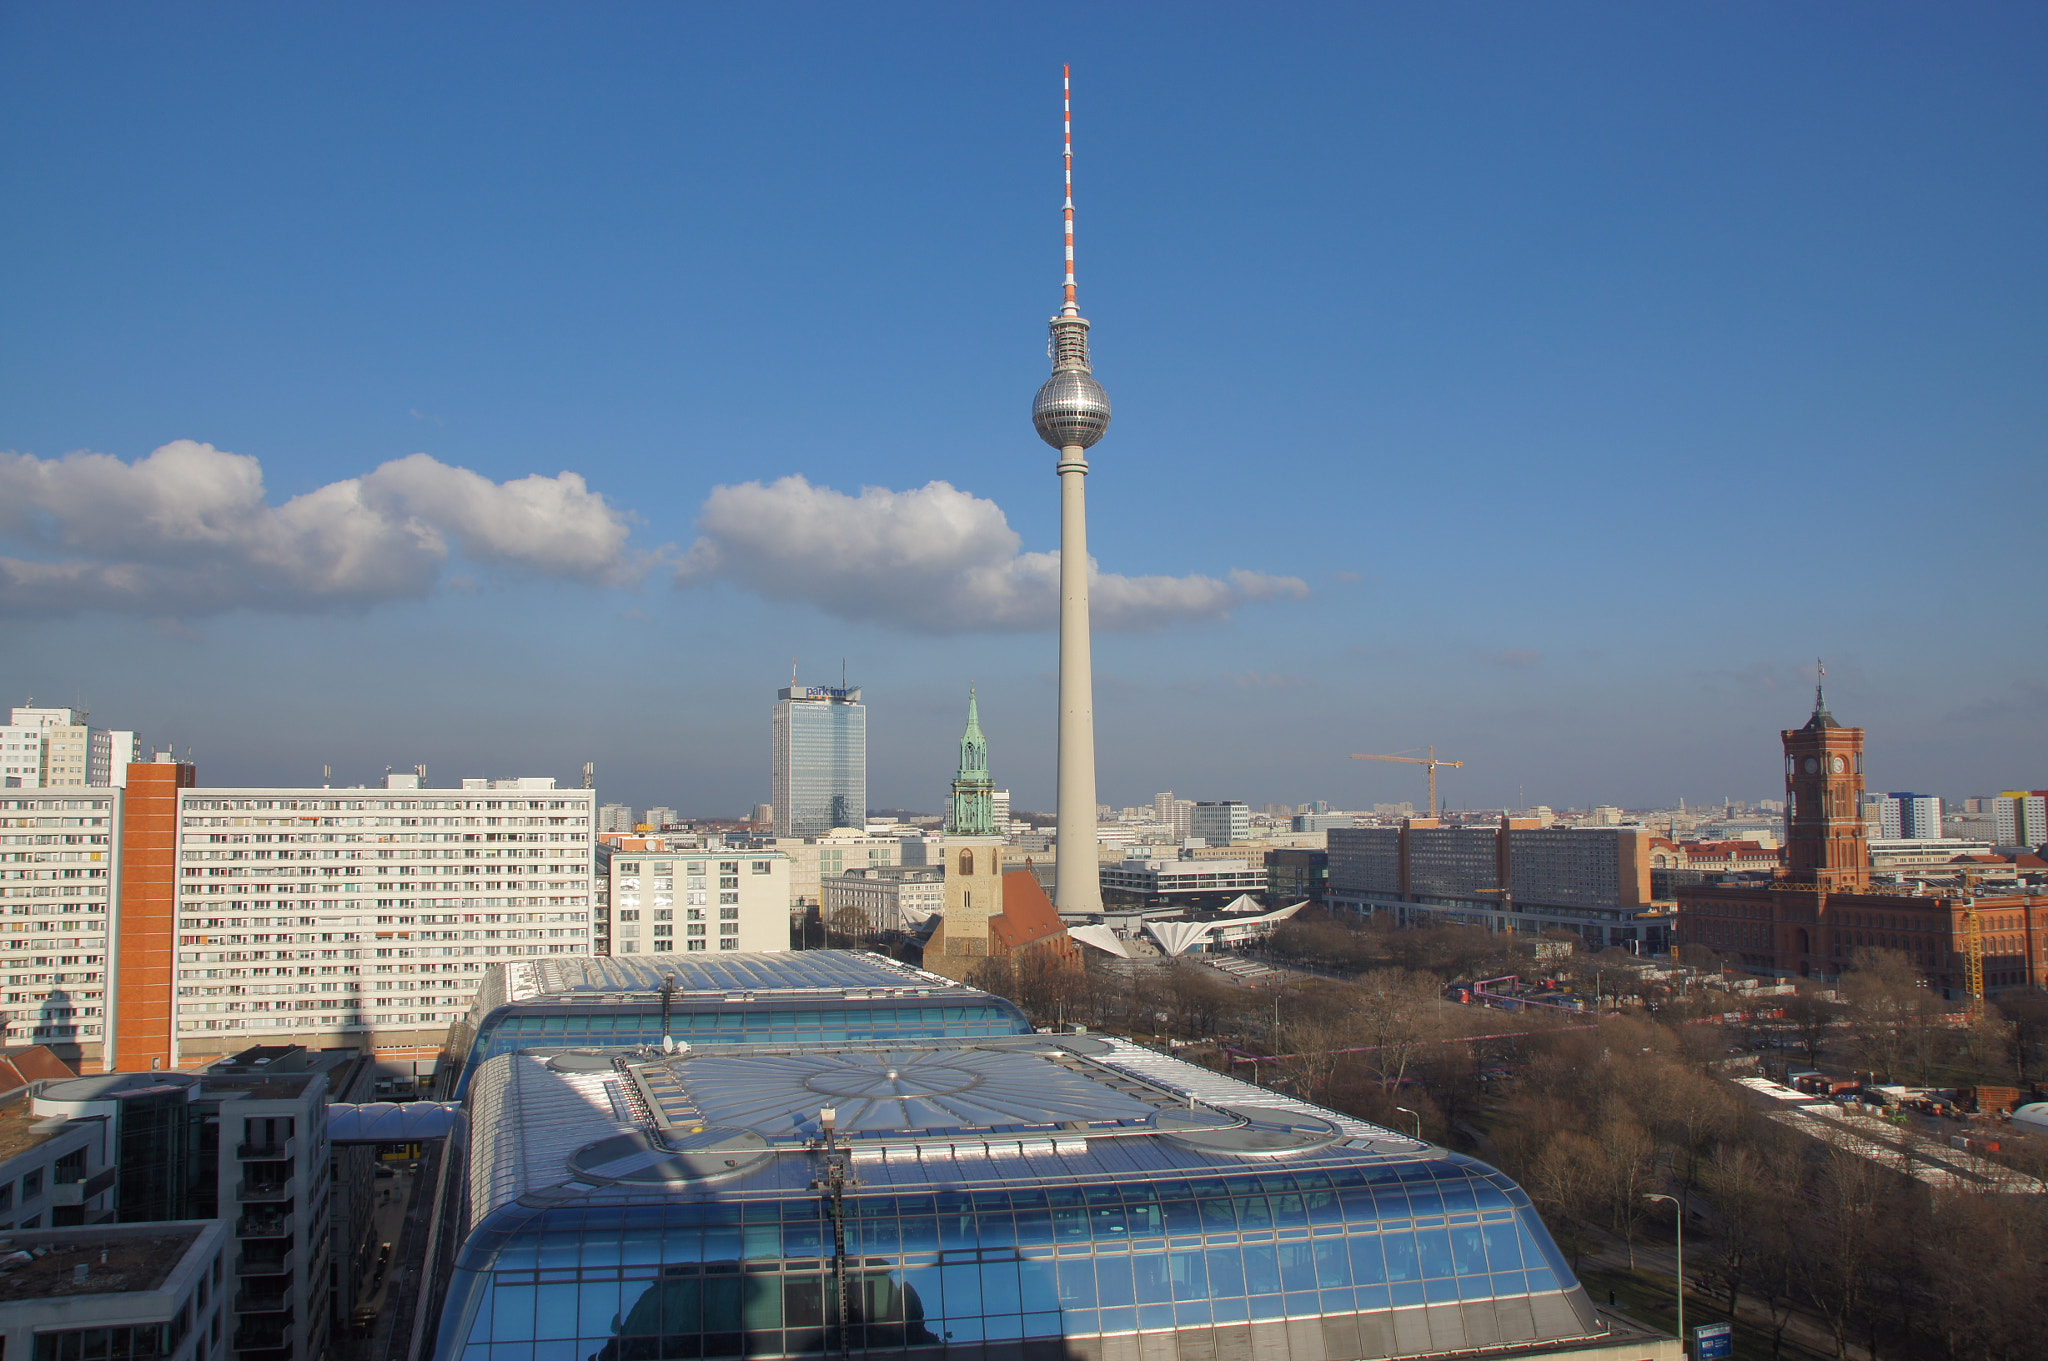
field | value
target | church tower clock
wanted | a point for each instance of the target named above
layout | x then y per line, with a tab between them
1825	843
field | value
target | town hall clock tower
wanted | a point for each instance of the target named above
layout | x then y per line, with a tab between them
1825	841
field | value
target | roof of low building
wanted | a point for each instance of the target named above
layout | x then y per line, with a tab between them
43	1263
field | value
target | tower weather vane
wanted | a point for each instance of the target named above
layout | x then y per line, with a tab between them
1070	412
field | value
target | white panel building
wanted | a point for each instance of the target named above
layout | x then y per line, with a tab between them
312	916
58	852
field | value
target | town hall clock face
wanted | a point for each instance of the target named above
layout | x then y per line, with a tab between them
1838	765
1812	765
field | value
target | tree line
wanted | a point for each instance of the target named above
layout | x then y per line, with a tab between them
1594	1113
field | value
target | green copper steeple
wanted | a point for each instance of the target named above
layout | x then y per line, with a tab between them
971	811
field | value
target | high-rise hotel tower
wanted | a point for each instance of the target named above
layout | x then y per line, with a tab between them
1071	412
819	771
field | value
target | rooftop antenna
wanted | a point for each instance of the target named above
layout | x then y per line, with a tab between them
590	774
326	776
792	673
421	771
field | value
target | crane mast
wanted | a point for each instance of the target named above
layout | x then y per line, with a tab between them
1429	760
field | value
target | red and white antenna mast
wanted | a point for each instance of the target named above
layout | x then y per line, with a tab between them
1072	308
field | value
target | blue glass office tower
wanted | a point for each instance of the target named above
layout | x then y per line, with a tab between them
820	771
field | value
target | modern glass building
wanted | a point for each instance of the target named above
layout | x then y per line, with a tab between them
1035	1198
798	995
819	778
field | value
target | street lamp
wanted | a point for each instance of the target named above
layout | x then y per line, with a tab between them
1679	1206
1418	1121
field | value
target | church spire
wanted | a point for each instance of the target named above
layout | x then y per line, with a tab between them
970	809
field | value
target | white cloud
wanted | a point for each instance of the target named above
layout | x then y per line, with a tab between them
932	560
187	530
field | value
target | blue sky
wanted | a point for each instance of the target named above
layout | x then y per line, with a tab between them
1559	380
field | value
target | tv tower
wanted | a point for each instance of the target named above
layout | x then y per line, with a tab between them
1071	411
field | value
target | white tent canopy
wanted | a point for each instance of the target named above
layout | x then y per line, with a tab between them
1102	938
1179	937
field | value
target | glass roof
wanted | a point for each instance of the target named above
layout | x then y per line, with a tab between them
908	1088
777	971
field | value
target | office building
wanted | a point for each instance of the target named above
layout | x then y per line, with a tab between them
812	859
54	748
111	1292
248	1150
1320	822
819	779
699	901
659	817
2021	817
1909	817
864	903
1298	874
614	817
1220	823
327	917
1045	1197
716	999
1186	880
1175	815
1516	876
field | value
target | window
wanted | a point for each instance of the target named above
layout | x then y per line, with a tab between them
31	1187
728	897
728	867
729	943
728	928
763	866
966	863
696	945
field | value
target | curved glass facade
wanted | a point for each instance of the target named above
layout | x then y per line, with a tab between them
949	1268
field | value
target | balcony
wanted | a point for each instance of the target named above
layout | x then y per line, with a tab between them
276	1149
265	1190
262	1337
249	1301
96	1182
264	1265
264	1226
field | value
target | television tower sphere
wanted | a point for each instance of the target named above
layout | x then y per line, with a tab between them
1071	409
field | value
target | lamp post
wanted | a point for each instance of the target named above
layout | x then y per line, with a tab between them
1418	1121
1679	1206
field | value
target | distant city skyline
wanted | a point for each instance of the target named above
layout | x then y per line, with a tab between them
512	405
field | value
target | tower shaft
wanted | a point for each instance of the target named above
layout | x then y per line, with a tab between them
1078	887
1071	412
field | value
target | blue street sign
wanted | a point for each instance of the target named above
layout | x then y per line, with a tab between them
1713	1341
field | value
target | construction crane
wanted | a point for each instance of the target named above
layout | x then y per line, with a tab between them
1429	760
1973	959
